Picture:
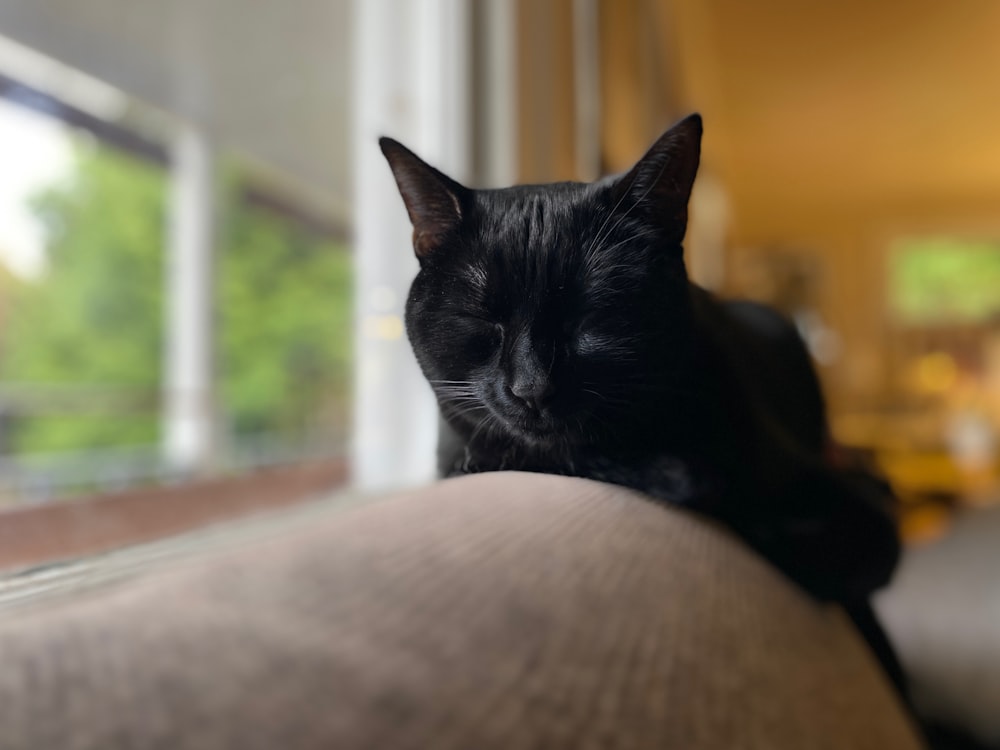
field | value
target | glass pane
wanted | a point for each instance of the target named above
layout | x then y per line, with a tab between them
939	280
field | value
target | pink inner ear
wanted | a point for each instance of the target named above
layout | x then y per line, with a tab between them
425	243
430	196
434	216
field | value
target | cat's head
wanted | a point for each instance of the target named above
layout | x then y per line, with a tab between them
547	314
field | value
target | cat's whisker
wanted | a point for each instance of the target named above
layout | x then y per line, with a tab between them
460	409
461	401
451	392
464	410
453	396
463	407
486	421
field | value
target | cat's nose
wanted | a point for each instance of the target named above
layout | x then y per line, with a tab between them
536	394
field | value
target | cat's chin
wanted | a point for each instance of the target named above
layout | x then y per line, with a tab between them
536	437
537	433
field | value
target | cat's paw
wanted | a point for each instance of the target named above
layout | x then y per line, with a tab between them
833	534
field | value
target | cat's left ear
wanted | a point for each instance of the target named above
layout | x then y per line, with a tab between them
433	200
660	182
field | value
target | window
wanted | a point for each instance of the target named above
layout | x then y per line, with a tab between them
82	327
945	281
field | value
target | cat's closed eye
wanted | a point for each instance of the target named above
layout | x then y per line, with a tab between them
479	337
594	340
588	342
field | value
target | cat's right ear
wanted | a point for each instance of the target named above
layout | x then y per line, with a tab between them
433	200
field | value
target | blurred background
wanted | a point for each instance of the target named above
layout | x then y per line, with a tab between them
175	263
203	258
201	249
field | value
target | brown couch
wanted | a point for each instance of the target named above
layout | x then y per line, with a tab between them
494	611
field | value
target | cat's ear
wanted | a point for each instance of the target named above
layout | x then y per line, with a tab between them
660	182
433	200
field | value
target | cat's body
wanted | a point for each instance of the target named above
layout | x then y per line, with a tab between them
747	444
561	334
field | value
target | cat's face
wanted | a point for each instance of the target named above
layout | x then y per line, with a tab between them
553	313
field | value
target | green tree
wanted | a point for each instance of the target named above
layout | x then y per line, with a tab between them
96	317
944	280
285	322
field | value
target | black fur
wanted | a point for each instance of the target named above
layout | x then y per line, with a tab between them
560	333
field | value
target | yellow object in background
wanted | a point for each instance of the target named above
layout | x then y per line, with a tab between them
936	372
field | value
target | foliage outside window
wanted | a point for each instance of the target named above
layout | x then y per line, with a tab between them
95	318
944	280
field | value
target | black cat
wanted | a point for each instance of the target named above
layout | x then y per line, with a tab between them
560	333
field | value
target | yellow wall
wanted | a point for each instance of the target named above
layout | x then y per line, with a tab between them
835	125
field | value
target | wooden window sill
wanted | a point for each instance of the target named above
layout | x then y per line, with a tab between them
35	535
